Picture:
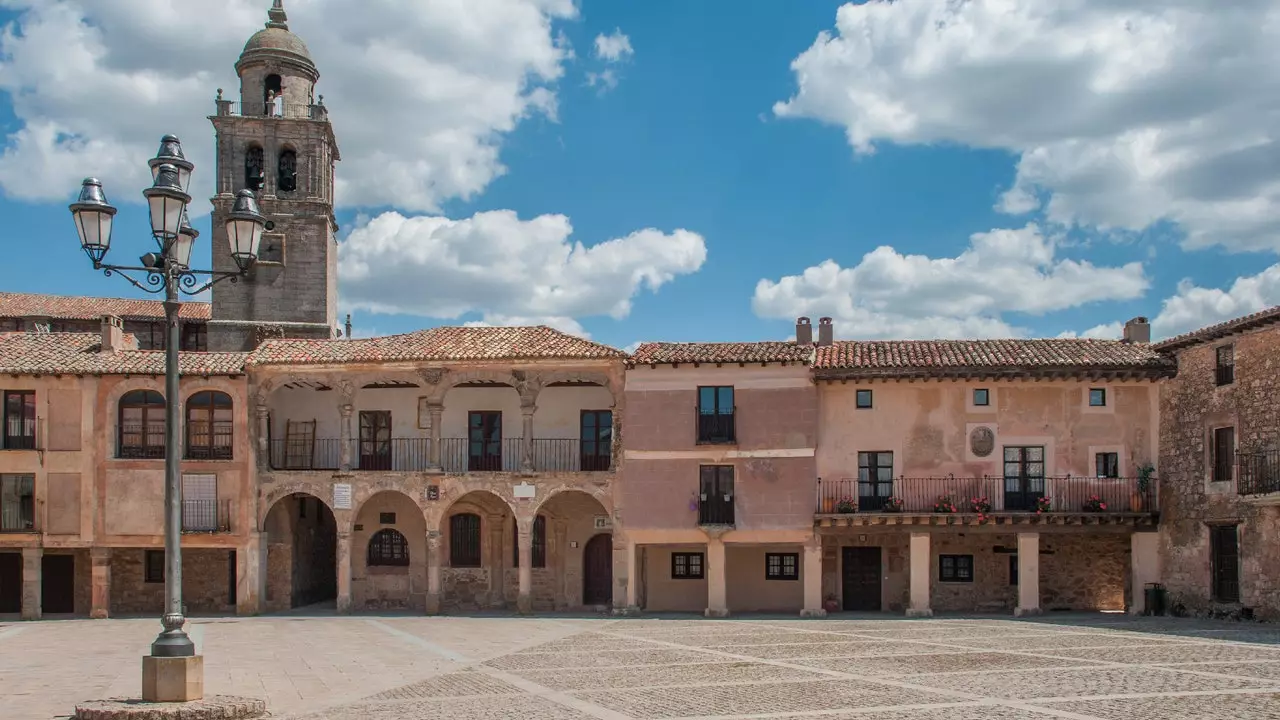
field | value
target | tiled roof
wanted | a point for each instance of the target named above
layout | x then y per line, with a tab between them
29	353
67	307
923	358
742	352
1222	329
438	344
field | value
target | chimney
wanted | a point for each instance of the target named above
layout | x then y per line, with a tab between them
825	331
112	334
804	331
1137	330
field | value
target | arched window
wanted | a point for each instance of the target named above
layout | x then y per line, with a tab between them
388	547
287	171
253	175
464	540
209	426
141	432
539	542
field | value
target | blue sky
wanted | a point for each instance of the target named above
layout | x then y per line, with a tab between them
692	138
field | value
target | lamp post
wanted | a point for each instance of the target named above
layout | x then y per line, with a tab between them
169	271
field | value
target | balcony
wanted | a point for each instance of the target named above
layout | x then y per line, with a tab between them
206	516
1258	473
291	111
715	509
986	497
456	455
716	428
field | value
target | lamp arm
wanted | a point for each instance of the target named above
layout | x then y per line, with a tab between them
156	277
154	282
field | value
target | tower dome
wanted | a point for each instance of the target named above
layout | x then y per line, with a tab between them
276	45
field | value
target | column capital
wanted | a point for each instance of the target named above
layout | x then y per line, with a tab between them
346	409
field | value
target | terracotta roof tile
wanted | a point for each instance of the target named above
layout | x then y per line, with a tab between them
438	344
1222	329
741	352
68	307
29	353
903	358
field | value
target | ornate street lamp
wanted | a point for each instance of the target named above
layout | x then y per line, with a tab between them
169	271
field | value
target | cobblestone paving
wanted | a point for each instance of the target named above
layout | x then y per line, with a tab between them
560	668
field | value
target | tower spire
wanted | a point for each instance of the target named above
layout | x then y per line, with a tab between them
276	17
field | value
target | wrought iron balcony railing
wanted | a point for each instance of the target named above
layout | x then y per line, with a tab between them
206	516
985	495
1259	472
457	455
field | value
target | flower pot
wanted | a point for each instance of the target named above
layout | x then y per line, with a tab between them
1135	502
831	606
828	505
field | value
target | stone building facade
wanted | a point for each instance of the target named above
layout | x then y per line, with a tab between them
1220	469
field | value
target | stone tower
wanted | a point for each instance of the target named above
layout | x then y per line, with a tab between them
284	150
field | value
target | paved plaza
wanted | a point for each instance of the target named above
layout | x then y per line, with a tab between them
563	668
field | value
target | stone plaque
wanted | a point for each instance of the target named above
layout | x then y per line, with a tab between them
524	490
982	441
342	496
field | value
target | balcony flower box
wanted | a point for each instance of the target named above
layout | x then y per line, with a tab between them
945	505
846	506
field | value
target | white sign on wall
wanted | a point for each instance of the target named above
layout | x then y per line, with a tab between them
342	496
524	491
603	522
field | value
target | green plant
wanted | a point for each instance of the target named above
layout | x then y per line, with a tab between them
1144	476
944	505
1043	504
846	505
894	505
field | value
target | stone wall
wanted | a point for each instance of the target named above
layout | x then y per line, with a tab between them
1084	572
465	589
205	582
1191	406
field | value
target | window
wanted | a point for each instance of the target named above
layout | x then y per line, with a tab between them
199	503
17	503
955	568
875	480
715	490
287	171
10	324
1013	569
982	397
464	540
715	415
387	518
1107	465
597	440
686	566
1225	549
141	425
782	566
862	399
153	566
1023	477
19	420
195	337
484	433
539	543
1097	397
1226	370
253	175
1223	453
388	547
209	426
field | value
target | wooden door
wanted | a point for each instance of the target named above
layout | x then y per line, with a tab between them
484	433
597	571
10	582
1023	477
860	578
375	440
1224	549
58	584
597	440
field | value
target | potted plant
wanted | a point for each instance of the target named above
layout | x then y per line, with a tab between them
894	505
1043	504
831	604
1094	504
980	505
944	505
1143	486
846	505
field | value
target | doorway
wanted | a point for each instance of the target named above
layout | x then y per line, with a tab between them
10	582
375	440
860	578
597	571
484	433
58	584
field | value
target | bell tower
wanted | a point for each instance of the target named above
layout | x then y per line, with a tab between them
278	142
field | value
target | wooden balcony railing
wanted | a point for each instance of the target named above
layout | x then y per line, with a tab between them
457	455
1259	472
986	495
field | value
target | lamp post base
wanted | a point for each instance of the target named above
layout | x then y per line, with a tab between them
172	679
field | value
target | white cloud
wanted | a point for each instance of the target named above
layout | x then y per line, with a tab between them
1105	331
1193	307
1123	112
615	47
633	346
420	94
509	270
889	294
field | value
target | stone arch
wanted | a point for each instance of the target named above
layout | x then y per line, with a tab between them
589	376
476	570
449	380
569	581
287	170
602	495
393	586
254	167
301	534
297	487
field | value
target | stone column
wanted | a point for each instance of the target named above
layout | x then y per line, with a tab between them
811	575
921	566
251	586
264	448
434	543
31	595
526	442
344	436
100	579
633	579
1144	567
717	602
1028	574
524	549
497	565
344	571
436	412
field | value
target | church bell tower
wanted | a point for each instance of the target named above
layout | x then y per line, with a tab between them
278	142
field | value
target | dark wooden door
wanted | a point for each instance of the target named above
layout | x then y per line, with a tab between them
10	582
1023	477
58	584
375	440
860	577
1225	550
597	571
484	433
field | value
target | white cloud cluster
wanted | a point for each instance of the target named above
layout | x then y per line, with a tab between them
512	271
1123	112
889	294
420	94
612	50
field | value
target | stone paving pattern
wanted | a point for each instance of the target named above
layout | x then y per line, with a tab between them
567	668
